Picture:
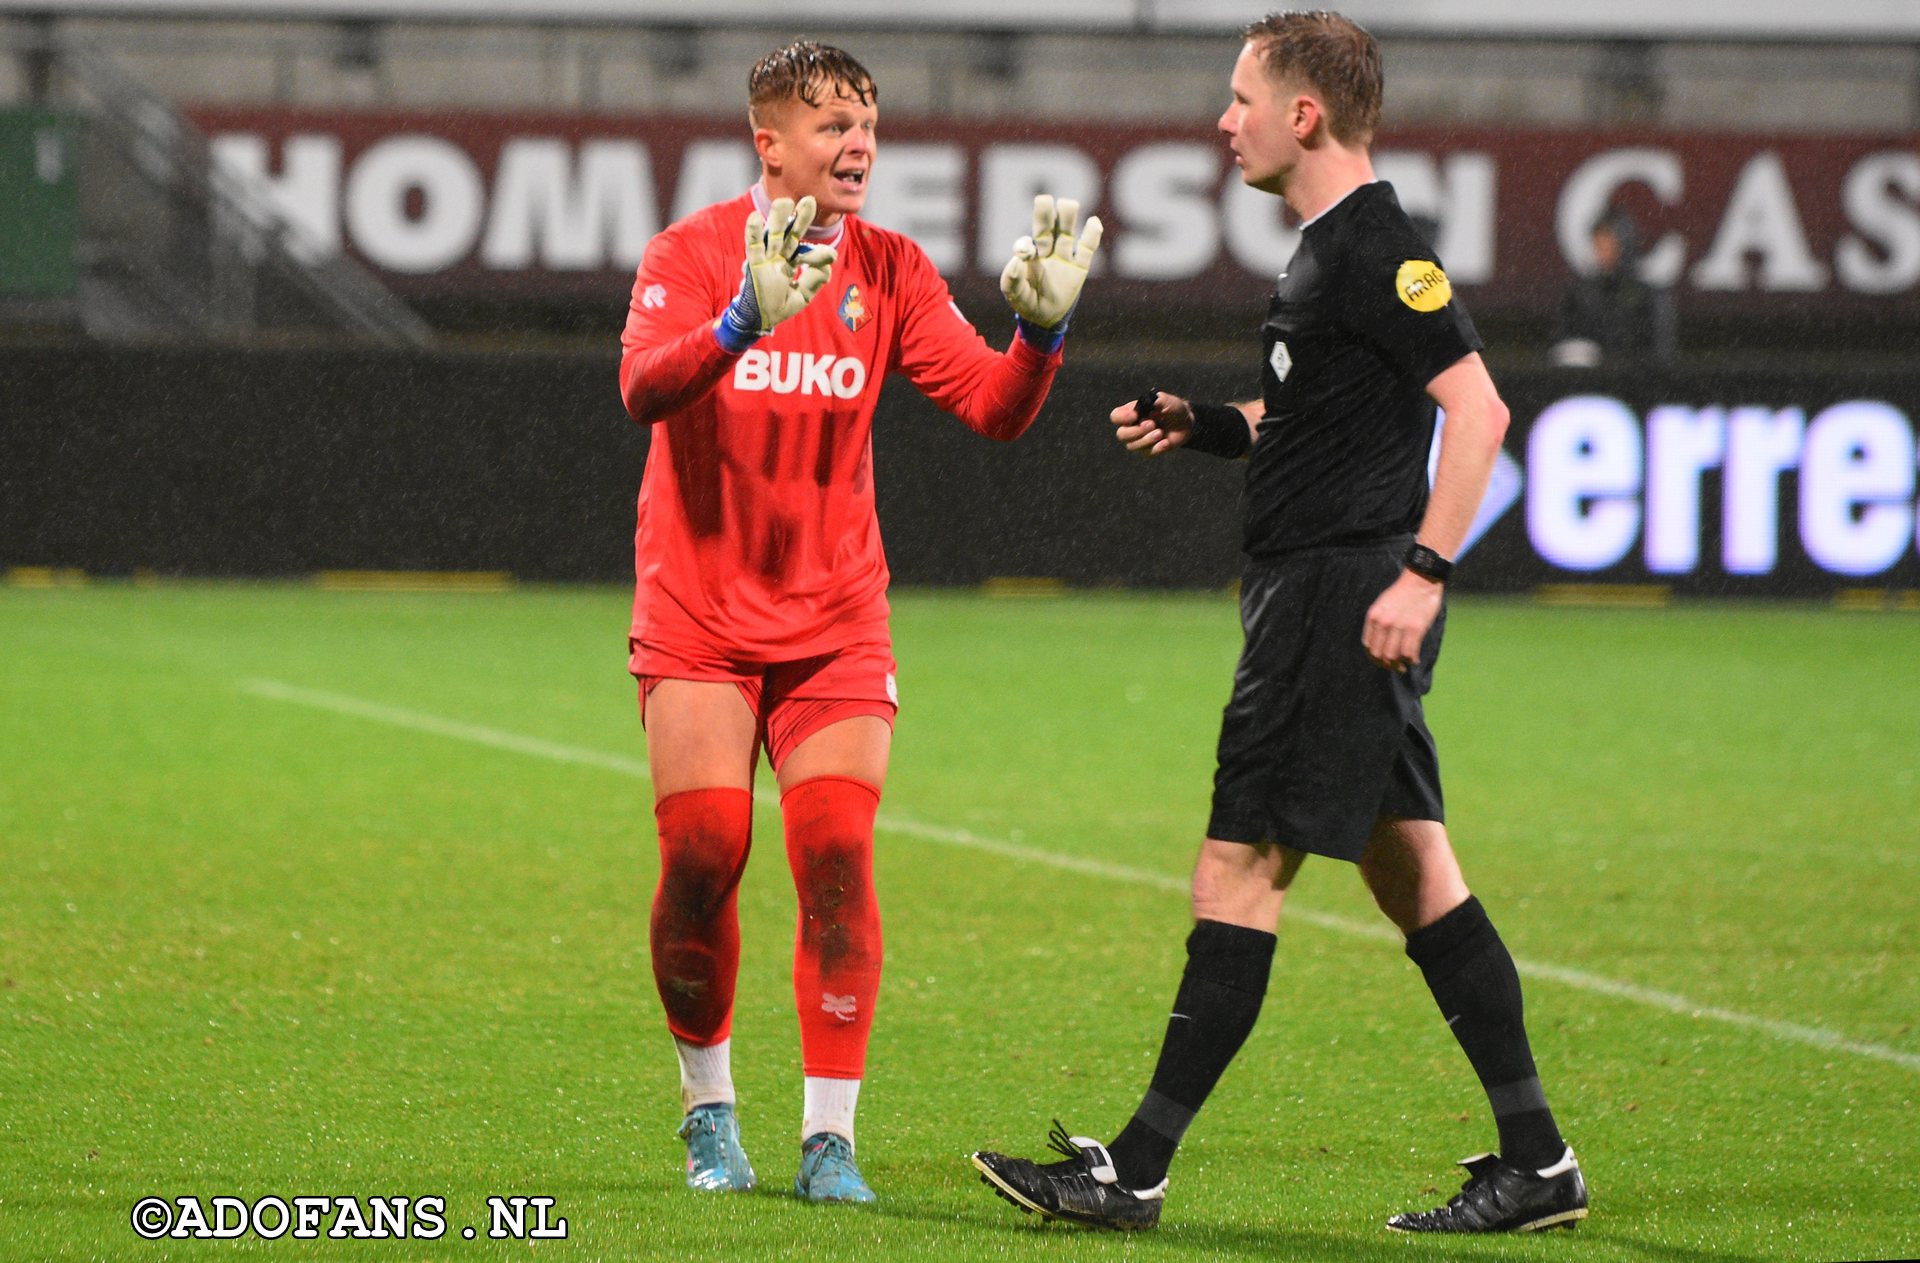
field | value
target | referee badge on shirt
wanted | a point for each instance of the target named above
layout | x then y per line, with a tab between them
853	309
1422	285
1282	361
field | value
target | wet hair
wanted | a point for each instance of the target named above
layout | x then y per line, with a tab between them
808	72
1331	55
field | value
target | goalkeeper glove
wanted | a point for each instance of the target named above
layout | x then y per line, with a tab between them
780	277
1042	281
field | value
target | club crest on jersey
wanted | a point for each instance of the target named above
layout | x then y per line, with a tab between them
1422	285
853	309
1282	361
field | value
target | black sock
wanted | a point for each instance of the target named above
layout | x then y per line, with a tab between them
1213	1012
1472	978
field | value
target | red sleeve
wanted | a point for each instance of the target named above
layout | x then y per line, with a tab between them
994	393
668	355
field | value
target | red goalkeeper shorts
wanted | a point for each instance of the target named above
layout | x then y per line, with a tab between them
790	700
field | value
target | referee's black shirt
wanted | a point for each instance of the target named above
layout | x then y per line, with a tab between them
1362	319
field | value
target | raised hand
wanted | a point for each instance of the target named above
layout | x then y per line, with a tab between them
781	275
1042	281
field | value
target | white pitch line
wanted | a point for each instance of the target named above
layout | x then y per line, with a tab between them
421	721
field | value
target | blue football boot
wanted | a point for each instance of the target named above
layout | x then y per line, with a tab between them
715	1161
828	1172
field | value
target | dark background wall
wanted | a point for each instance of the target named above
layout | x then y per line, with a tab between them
273	463
253	463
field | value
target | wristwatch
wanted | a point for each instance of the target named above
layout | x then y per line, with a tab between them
1428	564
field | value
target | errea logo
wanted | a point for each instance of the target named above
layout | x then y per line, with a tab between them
798	372
653	297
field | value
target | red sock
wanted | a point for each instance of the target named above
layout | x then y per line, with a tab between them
836	951
704	838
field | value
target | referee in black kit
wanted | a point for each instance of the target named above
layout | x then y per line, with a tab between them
1323	747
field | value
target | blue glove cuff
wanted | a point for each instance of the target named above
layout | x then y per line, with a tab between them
1045	340
738	327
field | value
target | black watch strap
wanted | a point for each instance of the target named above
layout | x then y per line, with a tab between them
1428	564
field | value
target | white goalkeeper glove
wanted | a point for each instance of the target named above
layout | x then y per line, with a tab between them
1042	281
781	275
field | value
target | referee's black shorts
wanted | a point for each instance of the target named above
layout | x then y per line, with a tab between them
1317	743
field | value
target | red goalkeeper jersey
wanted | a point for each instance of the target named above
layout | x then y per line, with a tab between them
757	537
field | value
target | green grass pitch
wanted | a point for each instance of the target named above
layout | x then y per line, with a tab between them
323	893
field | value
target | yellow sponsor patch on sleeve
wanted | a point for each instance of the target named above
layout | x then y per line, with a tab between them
1422	285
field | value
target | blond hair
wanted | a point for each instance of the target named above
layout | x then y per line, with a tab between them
1330	55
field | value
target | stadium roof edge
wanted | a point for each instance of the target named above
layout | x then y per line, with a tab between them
1726	21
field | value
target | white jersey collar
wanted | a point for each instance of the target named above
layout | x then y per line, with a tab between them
1306	224
815	236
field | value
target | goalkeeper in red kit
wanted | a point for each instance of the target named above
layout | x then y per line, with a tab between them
757	337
